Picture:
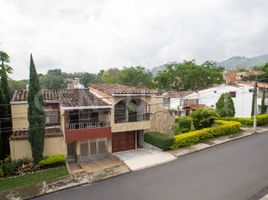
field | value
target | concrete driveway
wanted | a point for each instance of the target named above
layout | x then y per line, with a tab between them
144	158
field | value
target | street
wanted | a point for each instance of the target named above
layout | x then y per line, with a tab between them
237	170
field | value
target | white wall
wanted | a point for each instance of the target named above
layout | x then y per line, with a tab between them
174	103
242	101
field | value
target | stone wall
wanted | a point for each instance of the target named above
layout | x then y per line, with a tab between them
162	121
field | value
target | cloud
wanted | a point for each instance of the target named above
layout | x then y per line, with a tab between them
98	34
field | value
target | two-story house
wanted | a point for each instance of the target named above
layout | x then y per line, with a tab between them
86	124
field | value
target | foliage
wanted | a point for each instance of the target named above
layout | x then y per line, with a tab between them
225	106
189	76
162	141
182	125
190	138
36	115
10	168
203	118
52	82
263	106
131	76
5	113
17	85
52	160
261	120
19	181
1	172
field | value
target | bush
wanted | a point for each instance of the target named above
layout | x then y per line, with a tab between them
261	120
52	161
183	125
222	128
9	168
203	118
162	141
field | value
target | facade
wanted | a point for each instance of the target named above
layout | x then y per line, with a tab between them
72	116
241	94
87	124
175	102
135	111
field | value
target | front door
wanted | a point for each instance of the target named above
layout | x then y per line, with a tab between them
71	151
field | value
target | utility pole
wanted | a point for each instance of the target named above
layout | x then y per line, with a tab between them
255	105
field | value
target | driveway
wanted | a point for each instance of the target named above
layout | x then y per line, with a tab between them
232	171
143	158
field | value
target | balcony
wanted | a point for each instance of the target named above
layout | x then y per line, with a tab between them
87	124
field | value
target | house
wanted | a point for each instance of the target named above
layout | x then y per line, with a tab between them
241	93
135	111
72	117
175	102
92	123
232	77
74	83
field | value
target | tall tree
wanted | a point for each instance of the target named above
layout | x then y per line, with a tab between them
36	115
6	122
3	128
225	106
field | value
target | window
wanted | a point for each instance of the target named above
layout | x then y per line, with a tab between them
52	116
232	94
215	91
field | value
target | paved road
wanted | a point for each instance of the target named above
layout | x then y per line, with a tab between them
233	171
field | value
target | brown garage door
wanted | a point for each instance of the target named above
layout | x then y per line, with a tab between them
123	141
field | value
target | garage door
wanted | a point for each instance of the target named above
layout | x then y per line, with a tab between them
123	141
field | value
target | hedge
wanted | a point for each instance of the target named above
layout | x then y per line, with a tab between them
261	120
162	141
193	137
52	160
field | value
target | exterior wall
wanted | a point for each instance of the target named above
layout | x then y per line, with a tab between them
175	103
19	116
22	148
131	126
242	101
85	134
162	122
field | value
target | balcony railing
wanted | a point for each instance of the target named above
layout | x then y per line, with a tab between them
88	125
133	118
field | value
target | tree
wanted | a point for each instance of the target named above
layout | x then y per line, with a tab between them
263	106
203	118
6	123
225	106
36	115
189	76
3	130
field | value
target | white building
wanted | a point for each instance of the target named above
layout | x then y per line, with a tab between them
241	95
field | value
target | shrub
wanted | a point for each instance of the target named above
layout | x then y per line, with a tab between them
203	118
162	141
52	160
222	128
225	106
27	168
183	124
261	120
9	168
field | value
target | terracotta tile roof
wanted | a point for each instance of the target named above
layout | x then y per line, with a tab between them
113	89
79	97
49	95
23	134
66	97
252	84
175	94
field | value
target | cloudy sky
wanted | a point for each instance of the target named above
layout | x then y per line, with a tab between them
89	35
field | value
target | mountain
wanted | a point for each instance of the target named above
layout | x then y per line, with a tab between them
244	62
231	63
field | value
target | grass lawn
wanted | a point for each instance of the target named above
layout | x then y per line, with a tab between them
13	182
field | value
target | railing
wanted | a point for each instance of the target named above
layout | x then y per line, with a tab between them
133	118
88	125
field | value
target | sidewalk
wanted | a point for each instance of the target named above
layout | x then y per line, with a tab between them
216	141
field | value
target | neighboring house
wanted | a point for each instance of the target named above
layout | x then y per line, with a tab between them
75	84
175	102
241	95
232	77
135	111
72	117
91	123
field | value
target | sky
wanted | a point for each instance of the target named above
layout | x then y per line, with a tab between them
90	35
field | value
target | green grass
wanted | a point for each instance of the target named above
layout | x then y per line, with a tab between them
13	182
